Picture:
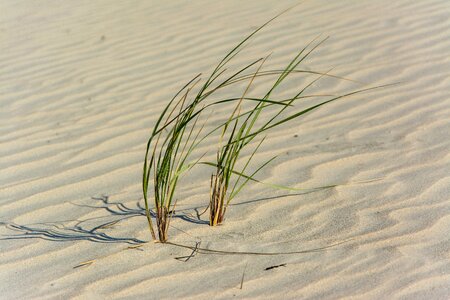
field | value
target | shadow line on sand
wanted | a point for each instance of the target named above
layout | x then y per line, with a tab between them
83	231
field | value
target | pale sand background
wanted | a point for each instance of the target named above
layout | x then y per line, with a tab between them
83	81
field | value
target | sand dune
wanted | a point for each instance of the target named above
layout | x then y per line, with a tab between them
83	82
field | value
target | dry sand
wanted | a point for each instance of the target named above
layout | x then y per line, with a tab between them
82	82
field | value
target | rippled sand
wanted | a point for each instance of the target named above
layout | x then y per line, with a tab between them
82	82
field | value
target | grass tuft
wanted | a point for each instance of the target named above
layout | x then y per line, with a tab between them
173	138
177	132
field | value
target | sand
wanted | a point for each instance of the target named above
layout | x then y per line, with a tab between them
82	83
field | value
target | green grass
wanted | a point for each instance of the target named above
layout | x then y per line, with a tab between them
175	136
239	132
177	132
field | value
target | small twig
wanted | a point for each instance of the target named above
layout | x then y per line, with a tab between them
221	252
243	275
274	267
107	225
194	251
136	247
90	262
84	264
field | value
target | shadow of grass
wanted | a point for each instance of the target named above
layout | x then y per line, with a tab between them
92	229
83	230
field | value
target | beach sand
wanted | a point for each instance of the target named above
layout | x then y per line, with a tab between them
83	82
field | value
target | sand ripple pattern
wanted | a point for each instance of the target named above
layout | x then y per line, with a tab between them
82	82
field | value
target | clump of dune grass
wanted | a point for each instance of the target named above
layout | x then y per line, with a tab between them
168	159
177	134
241	129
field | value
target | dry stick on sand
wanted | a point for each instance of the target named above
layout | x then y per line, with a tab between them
243	276
200	250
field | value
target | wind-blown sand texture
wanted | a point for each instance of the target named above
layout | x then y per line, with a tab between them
82	82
